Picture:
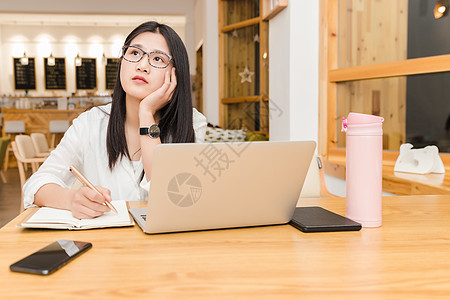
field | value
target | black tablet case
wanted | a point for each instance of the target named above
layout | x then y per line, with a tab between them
318	219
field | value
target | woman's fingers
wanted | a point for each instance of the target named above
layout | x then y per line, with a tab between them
89	204
92	195
162	91
170	83
173	84
84	212
105	192
163	95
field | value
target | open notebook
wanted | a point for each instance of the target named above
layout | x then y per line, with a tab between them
53	218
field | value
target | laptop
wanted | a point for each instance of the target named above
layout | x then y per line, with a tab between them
224	185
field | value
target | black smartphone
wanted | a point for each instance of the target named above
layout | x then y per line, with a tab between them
318	219
50	258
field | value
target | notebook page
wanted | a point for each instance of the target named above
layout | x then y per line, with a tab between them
110	218
48	215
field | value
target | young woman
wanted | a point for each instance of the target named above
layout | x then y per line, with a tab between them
113	145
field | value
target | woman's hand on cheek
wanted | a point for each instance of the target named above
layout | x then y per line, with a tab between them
159	98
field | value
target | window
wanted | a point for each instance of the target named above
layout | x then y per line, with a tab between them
389	58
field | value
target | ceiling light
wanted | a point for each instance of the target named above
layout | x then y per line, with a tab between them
104	59
51	60
24	59
78	60
441	9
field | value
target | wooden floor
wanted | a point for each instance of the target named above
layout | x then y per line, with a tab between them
9	197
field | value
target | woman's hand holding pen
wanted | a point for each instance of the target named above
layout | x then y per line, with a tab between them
159	98
87	204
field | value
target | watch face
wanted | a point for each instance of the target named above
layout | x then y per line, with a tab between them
154	131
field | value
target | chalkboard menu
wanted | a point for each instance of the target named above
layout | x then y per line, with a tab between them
55	76
86	74
112	64
24	75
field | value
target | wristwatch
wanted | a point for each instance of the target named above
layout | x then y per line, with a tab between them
152	131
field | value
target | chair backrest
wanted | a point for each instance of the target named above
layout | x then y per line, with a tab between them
4	142
58	126
24	152
14	126
25	146
39	142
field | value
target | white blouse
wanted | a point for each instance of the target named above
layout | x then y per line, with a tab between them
84	146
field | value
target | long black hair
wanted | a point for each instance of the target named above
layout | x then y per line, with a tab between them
175	118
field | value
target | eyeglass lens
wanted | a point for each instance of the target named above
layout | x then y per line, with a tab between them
155	59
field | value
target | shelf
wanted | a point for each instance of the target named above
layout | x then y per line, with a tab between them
243	68
241	99
240	25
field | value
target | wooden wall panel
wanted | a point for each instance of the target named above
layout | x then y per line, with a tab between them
243	43
241	51
235	11
373	32
385	97
241	116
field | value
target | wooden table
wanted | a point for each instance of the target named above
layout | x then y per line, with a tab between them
402	183
407	258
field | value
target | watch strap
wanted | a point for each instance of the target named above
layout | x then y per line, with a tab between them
144	130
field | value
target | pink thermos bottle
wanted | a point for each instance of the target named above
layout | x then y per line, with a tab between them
364	157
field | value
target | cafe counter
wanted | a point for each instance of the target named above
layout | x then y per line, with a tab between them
37	120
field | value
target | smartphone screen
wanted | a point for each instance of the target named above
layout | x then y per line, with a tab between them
50	258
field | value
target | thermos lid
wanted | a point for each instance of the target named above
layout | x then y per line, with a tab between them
362	124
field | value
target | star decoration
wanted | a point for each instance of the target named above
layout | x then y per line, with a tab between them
256	38
234	33
246	75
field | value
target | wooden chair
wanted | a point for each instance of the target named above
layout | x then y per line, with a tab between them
40	144
314	185
24	152
4	143
55	127
12	128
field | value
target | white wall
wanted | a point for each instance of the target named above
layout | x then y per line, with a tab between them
211	61
207	34
279	76
140	7
293	76
201	26
87	40
39	41
151	8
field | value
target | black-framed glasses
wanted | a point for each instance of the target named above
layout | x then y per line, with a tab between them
156	59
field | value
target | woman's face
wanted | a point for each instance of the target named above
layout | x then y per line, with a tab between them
141	79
